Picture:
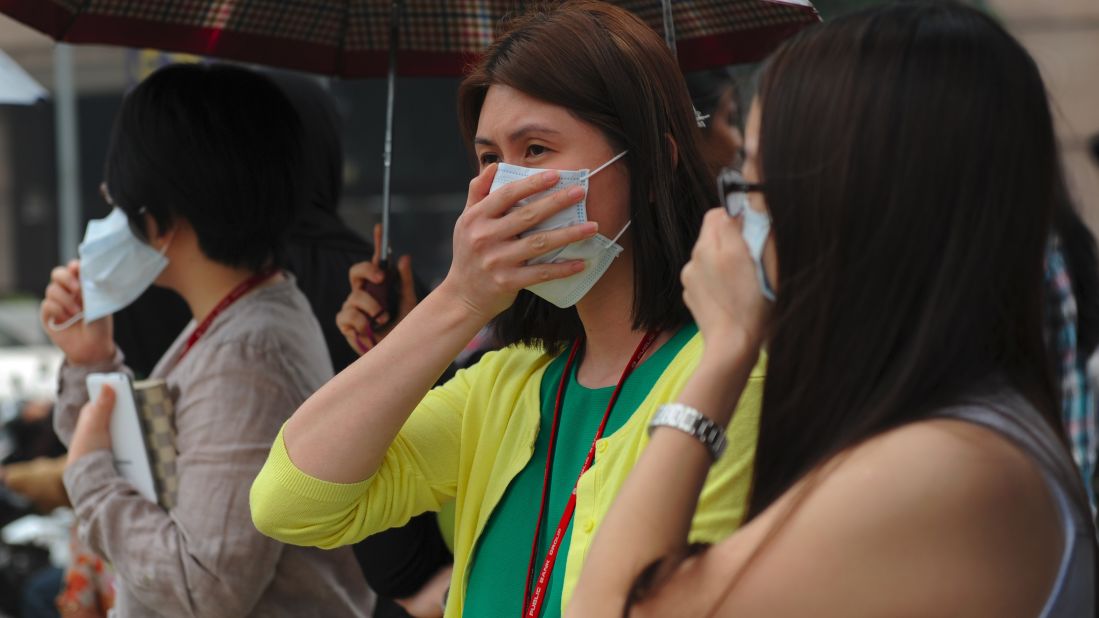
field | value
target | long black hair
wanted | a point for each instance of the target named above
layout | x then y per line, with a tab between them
910	221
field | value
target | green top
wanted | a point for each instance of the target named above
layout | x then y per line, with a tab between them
499	568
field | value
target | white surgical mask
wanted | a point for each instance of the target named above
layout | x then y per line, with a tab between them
597	252
755	230
573	215
115	268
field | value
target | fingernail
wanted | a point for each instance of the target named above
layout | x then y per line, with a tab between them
577	266
591	227
576	193
550	176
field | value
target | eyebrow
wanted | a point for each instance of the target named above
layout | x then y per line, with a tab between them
518	134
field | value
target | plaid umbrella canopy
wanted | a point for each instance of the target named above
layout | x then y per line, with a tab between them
374	38
351	38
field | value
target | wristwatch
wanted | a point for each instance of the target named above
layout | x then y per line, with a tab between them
691	422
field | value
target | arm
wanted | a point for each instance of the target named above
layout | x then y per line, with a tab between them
72	392
88	347
330	437
419	473
652	514
204	558
932	518
937	518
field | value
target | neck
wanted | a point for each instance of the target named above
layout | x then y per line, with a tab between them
610	340
203	284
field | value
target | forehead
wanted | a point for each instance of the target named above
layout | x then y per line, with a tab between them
505	109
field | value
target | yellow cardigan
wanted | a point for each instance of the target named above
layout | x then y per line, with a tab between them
466	441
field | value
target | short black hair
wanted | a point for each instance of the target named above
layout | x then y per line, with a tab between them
216	145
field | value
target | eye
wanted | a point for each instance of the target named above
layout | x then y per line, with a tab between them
488	158
535	150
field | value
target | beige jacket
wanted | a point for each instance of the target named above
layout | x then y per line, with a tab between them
256	364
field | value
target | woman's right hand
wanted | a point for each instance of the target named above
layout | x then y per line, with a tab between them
489	266
721	289
82	343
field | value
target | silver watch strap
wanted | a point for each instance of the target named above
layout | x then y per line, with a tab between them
693	423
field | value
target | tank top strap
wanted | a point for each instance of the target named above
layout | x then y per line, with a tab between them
1005	411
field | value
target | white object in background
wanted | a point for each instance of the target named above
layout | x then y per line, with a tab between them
16	86
131	458
29	372
51	532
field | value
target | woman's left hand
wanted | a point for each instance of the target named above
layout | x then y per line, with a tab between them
93	426
721	289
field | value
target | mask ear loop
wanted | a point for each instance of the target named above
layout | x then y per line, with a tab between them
52	324
605	165
55	327
622	231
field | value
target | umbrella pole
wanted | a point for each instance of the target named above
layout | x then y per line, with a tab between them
669	26
387	156
68	170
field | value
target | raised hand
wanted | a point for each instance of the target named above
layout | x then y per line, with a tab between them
83	343
362	319
720	285
490	260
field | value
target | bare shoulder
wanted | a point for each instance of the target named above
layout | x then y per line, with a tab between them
972	470
940	517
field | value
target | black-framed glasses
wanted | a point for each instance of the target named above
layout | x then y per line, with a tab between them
733	190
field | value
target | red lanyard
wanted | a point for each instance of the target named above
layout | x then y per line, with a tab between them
532	601
246	286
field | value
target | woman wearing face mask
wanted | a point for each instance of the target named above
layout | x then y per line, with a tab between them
200	176
582	285
909	459
714	95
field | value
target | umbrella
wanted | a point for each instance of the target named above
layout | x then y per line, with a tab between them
351	38
16	86
372	38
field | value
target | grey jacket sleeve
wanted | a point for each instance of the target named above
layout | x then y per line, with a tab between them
204	557
72	392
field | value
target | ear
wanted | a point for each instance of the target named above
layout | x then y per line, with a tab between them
673	148
161	235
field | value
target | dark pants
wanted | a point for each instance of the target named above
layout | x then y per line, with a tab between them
40	594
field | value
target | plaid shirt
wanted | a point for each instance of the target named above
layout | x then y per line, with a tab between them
1078	411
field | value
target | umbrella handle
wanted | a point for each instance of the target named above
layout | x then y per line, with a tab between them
388	292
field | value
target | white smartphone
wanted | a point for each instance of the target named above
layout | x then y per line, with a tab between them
131	458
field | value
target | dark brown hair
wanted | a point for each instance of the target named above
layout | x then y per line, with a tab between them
911	173
609	69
